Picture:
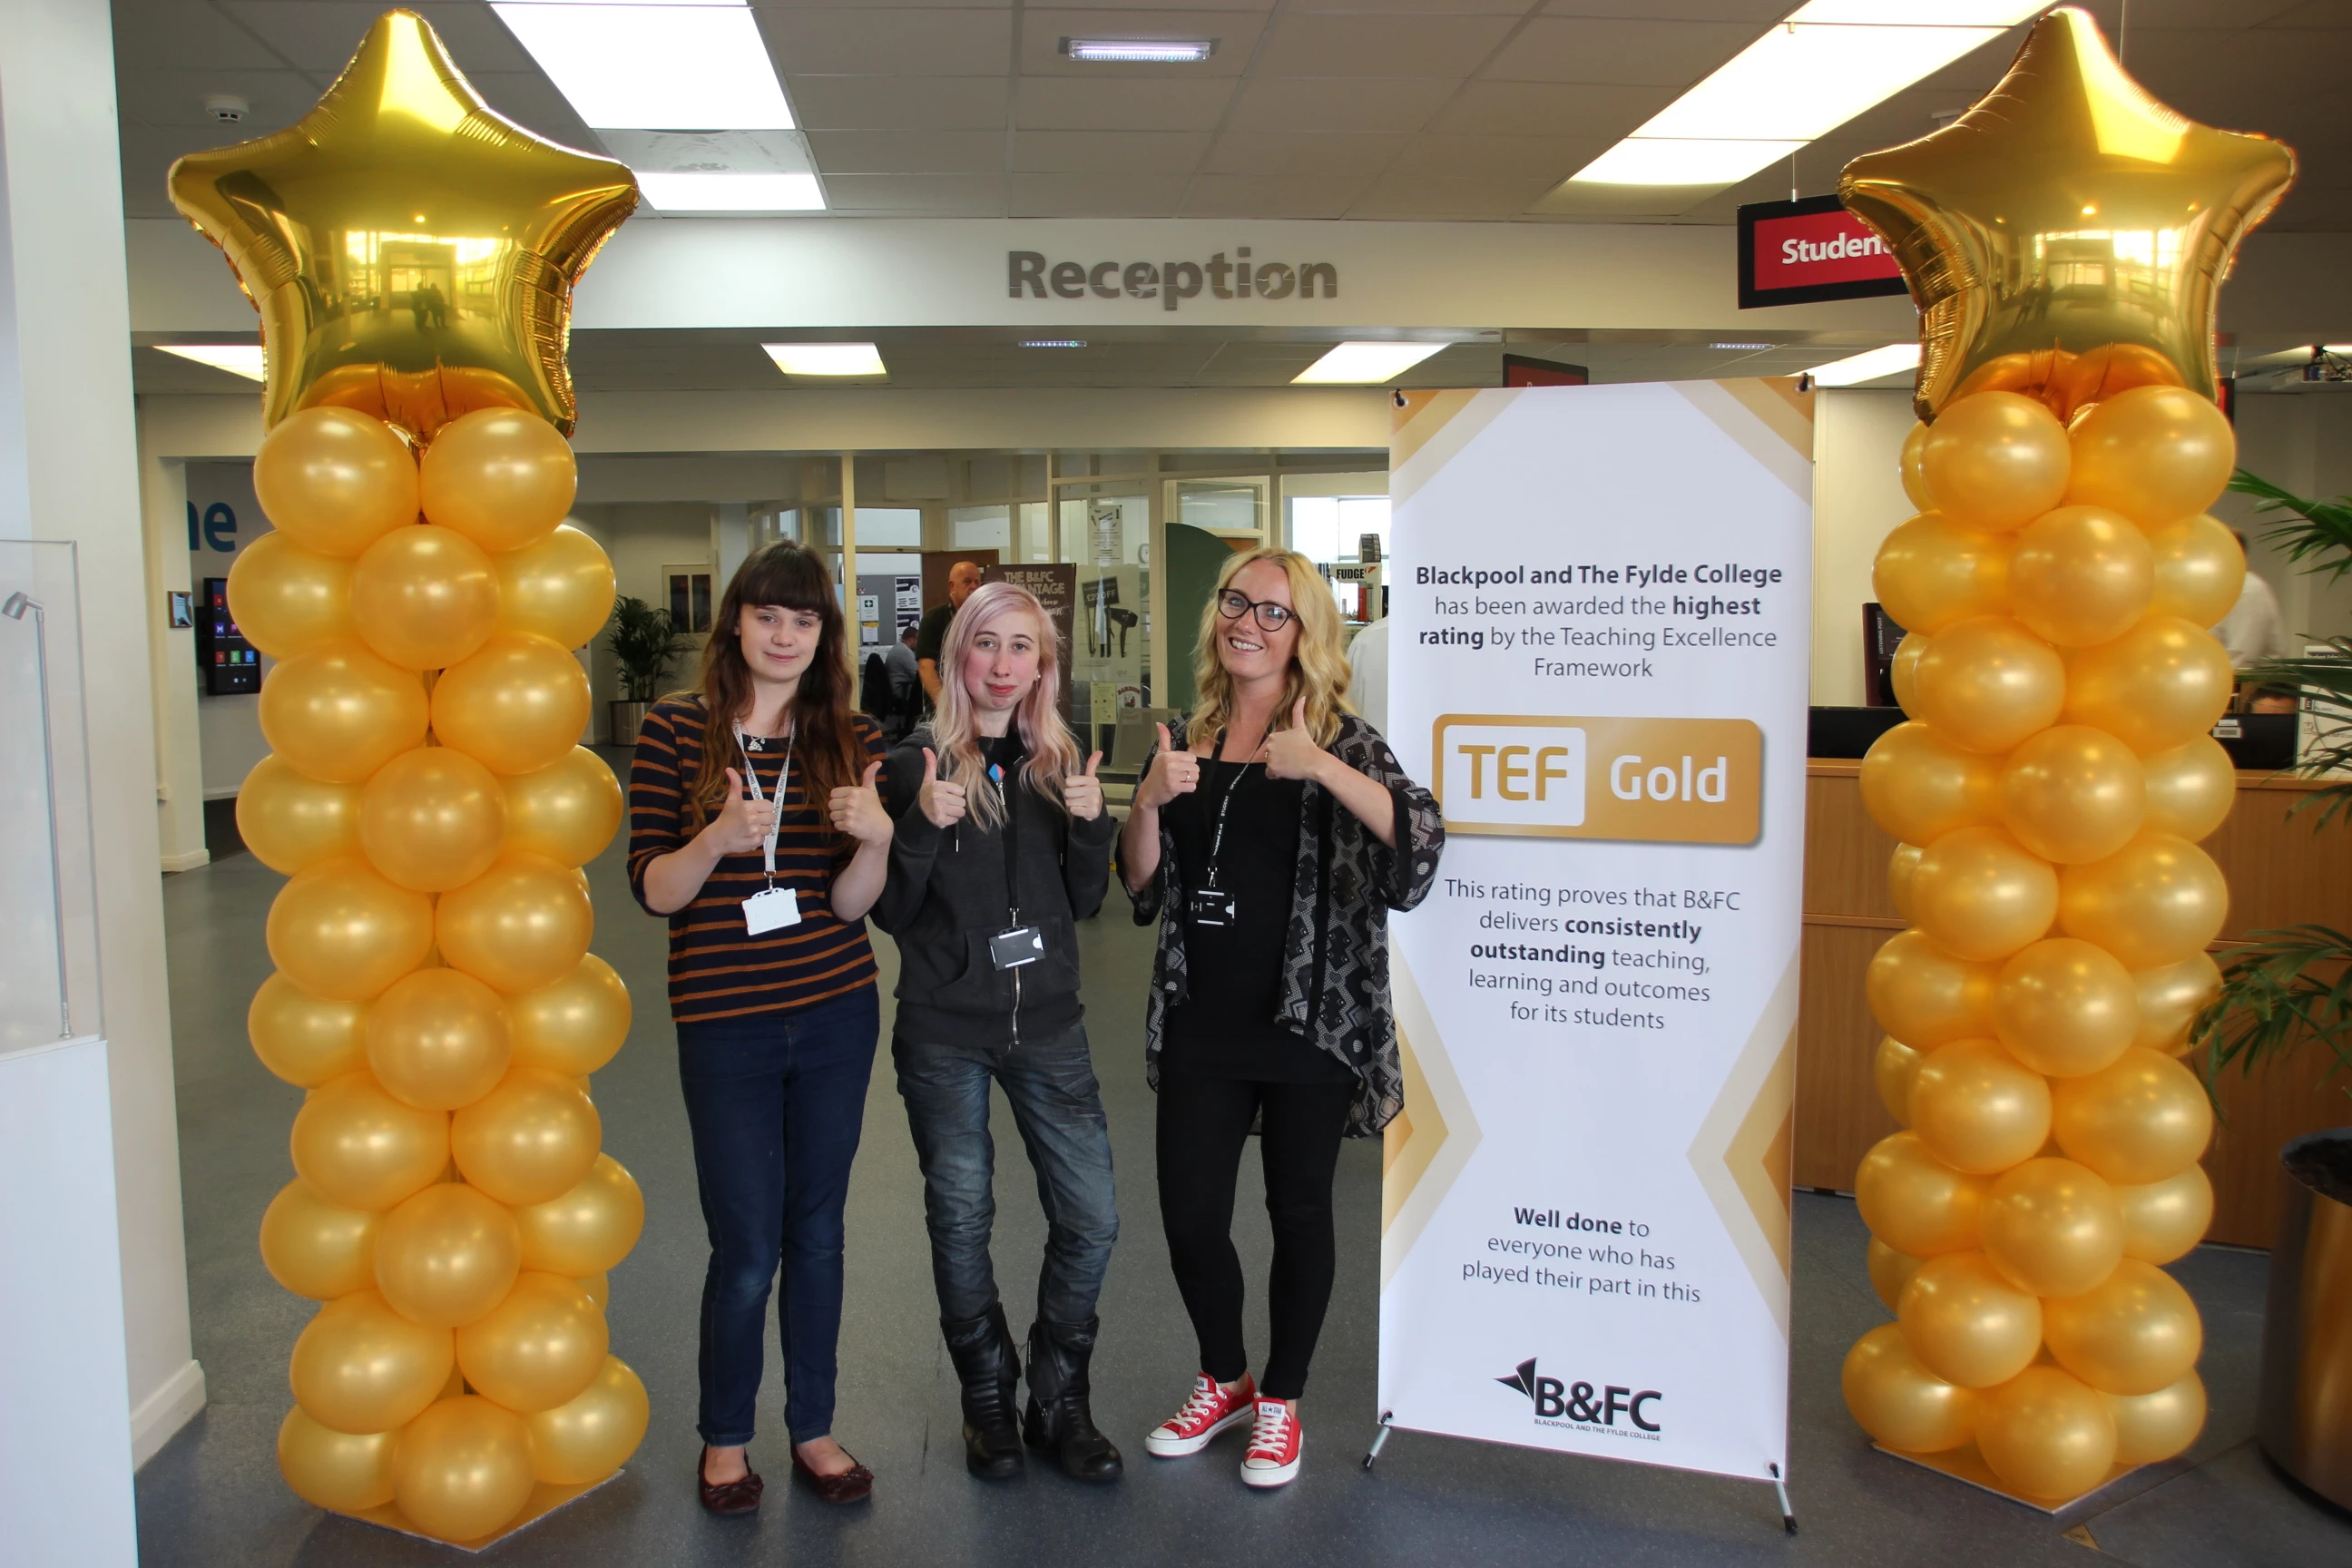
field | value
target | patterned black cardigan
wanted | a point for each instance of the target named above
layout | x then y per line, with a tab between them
1335	959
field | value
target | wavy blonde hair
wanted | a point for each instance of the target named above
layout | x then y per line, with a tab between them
1319	665
1052	751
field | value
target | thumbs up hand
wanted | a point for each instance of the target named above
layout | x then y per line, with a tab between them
939	801
1173	773
857	810
1292	754
741	826
1083	793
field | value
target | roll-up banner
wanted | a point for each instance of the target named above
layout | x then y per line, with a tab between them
1601	599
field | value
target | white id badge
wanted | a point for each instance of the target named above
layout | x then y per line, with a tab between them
770	910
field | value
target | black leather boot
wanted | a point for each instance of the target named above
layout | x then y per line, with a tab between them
988	1364
1058	1421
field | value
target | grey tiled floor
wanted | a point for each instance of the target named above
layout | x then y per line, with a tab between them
213	1498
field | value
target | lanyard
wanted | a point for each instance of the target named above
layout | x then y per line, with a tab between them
1008	790
752	777
1224	802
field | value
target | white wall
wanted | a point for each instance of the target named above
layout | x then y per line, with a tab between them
643	537
1858	499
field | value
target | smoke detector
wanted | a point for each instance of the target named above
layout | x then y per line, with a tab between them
227	107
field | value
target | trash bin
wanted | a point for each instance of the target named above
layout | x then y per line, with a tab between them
2305	1417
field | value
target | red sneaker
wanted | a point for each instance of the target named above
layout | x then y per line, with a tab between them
1272	1459
1209	1412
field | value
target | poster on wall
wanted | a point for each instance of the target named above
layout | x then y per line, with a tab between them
1602	603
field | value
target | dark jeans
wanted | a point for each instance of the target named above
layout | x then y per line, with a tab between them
1050	1084
774	1101
1202	1126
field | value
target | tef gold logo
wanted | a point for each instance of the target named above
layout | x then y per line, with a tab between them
1657	781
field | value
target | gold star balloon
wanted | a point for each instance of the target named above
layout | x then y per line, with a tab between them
412	252
2066	236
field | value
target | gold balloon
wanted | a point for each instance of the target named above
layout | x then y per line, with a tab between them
433	819
411	251
2067	213
2159	900
446	1255
316	1249
284	598
1901	866
2072	793
1915	482
2165	1220
516	707
568	813
1966	1323
2143	1120
2200	570
590	1436
501	477
2152	1427
560	588
303	1038
1977	1109
361	1367
2170	997
2052	1228
358	1147
576	1024
333	481
336	711
1918	786
540	1348
2156	454
2190	788
1925	996
1982	895
339	1471
2064	1008
1995	461
340	931
423	597
523	925
463	1468
588	1229
2135	1333
2081	575
1904	668
531	1139
1892	1069
1914	1202
2046	1434
438	1039
1929	574
1986	683
2160	685
1890	1271
1896	1399
291	820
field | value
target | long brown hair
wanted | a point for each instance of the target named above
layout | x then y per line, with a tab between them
826	748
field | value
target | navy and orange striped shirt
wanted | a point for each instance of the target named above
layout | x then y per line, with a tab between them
718	969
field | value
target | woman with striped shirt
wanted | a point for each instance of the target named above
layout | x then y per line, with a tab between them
754	826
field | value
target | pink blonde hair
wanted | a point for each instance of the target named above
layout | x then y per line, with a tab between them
1052	751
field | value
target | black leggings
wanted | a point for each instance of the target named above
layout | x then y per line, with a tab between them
1203	1123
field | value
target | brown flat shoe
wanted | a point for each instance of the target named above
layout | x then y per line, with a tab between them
728	1497
854	1484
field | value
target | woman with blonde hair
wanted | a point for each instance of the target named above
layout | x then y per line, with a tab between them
1002	847
1270	845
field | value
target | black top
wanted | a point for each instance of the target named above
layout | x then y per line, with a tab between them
933	633
1228	1028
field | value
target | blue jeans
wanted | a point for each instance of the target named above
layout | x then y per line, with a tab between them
774	1101
1058	1109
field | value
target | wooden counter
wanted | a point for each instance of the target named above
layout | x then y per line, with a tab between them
2281	873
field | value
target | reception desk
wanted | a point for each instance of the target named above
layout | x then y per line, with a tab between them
2282	872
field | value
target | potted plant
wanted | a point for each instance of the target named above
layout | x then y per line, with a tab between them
644	642
2285	990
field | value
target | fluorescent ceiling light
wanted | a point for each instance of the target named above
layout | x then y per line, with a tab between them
1739	345
1825	63
1366	363
1149	51
727	192
1855	369
1053	342
652	66
237	359
826	358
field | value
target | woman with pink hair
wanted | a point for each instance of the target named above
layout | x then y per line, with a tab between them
1002	847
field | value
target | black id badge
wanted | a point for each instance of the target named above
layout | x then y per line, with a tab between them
1211	907
1012	949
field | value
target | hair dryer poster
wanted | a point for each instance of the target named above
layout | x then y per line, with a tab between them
1601	601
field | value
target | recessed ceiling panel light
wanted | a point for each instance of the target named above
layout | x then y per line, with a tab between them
651	66
826	358
1053	342
727	192
237	359
1366	363
1855	369
1739	345
1147	51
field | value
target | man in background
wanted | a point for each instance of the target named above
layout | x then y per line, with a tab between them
963	578
906	685
2253	630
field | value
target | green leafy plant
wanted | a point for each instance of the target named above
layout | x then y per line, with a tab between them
645	642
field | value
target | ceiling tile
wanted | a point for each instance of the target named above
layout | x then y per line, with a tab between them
1624	53
1042	32
1271	196
1326	46
530	100
1443	196
323	34
279	98
897	102
965	194
147	155
907	152
1547	158
855	42
1072	103
1339	103
1548	109
1107	151
1761	13
184	37
1284	152
1096	196
1417	7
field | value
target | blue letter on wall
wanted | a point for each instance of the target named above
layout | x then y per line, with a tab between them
220	527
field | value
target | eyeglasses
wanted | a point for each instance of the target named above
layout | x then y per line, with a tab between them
1234	604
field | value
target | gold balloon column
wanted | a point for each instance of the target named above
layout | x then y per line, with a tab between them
412	256
2065	240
